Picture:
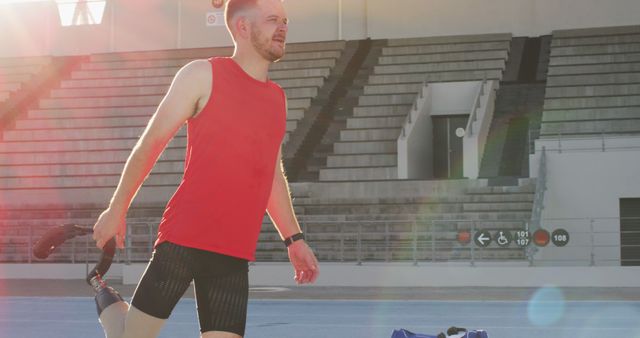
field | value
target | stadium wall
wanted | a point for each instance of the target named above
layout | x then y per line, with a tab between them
32	28
586	178
375	275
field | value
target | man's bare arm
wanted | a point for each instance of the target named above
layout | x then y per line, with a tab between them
178	105
280	209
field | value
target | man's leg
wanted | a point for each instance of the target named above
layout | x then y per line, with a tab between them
163	283
222	292
112	310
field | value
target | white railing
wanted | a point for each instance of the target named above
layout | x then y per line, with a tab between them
477	130
408	139
410	239
538	202
473	116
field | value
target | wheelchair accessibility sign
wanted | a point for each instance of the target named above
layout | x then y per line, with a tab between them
503	238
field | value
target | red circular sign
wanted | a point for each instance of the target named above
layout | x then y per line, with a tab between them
541	237
464	237
217	3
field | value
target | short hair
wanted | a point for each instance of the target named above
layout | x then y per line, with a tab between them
236	6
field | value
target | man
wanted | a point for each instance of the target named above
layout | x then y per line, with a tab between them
233	171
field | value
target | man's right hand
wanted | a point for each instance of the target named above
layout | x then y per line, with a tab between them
110	224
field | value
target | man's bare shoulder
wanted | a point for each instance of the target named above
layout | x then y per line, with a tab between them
196	70
195	76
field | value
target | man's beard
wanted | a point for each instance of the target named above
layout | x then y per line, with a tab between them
264	48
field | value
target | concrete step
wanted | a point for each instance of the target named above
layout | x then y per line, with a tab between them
171	71
24	61
594	59
599	31
166	81
600	49
108	91
433	199
378	134
382	100
598	40
375	122
592	79
20	78
358	174
13	86
587	91
120	82
445	57
327	54
377	111
292	48
103	167
118	92
590	127
164	63
126	101
102	122
469	75
63	103
448	48
392	89
497	207
27	69
74	145
347	209
73	157
87	182
371	160
591	102
591	114
525	189
436	40
75	134
102	112
439	67
595	69
369	147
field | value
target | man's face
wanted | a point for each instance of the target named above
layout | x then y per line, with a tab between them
269	29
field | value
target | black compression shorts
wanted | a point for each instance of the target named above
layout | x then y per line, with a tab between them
221	286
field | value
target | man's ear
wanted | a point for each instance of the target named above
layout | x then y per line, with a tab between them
241	26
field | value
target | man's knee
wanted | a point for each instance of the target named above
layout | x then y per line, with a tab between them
219	334
141	325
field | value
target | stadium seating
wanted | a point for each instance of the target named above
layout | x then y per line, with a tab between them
405	226
592	85
367	148
80	136
15	72
61	161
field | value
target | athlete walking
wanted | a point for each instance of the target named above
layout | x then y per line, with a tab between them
208	233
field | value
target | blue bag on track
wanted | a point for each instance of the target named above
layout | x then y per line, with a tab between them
452	332
402	333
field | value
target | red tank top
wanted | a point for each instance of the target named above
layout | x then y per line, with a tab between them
232	147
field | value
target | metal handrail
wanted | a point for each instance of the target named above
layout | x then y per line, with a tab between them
473	116
538	201
362	241
414	107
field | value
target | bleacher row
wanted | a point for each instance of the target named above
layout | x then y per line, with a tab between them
80	134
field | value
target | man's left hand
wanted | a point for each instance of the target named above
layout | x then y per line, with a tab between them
304	262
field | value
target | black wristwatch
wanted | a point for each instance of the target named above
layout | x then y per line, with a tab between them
289	240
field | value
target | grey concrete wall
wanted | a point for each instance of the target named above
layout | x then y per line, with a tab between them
32	28
584	187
